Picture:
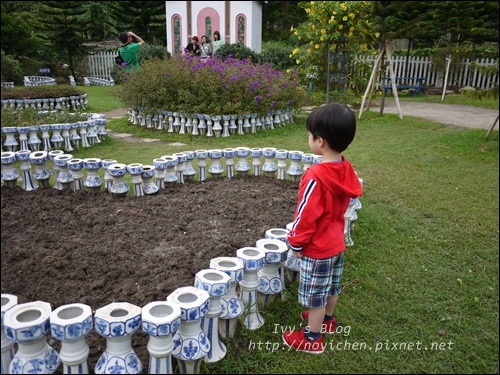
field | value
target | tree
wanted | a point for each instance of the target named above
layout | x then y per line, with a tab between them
63	27
145	18
278	17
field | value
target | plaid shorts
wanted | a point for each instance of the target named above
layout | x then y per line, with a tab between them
320	279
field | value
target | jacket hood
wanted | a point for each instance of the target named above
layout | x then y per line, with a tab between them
338	177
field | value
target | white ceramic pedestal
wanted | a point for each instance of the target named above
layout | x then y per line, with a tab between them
179	168
191	344
189	171
28	324
136	169
229	155
117	322
280	234
65	176
42	172
119	188
8	350
202	156
160	321
295	171
242	165
281	155
160	165
29	183
52	154
10	175
231	305
93	182
292	264
170	175
108	180
75	166
269	167
70	324
256	153
148	184
271	283
215	168
253	261
217	284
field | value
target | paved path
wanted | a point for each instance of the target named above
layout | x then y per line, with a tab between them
450	114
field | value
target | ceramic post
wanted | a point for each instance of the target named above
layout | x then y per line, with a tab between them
215	168
307	160
65	176
191	344
202	155
83	133
253	261
270	280
242	165
8	350
119	188
28	324
231	305
229	155
52	154
56	139
210	132
74	136
170	175
10	175
66	137
202	125
42	173
189	171
179	167
217	284
75	166
160	321
280	234
217	127
28	180
108	180
269	167
23	137
147	175
10	142
93	182
160	164
136	169
281	155
70	324
33	140
256	153
225	126
295	171
117	322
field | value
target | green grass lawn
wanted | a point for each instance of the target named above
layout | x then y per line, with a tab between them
421	280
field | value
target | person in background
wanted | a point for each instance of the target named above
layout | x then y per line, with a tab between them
193	48
205	49
217	42
317	233
129	49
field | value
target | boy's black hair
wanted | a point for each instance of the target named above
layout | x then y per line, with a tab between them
335	123
123	37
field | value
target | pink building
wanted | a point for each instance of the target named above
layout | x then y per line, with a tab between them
236	21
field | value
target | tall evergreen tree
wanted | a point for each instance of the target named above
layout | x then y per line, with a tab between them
145	18
63	27
278	17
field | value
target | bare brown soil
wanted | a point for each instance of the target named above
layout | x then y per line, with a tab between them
64	247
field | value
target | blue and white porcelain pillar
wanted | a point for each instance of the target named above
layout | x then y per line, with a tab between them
117	322
217	284
253	260
8	350
28	324
71	324
119	188
271	283
231	305
191	344
160	321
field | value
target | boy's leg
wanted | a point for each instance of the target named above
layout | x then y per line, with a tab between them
315	319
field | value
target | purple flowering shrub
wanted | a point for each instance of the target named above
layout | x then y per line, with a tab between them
187	84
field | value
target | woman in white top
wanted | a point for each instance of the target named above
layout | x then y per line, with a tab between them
205	49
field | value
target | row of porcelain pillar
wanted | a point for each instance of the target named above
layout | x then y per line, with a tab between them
149	179
47	104
190	325
68	136
208	125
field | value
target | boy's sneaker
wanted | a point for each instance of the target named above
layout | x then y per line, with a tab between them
326	327
298	340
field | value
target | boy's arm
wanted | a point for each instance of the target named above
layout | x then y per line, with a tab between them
138	38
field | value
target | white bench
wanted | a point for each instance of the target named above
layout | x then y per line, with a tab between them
88	81
38	81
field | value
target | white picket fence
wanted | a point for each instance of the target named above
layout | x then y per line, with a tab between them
101	64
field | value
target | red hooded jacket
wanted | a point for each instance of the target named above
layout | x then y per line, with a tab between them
324	193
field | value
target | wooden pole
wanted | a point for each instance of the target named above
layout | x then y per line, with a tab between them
393	80
371	81
491	128
446	77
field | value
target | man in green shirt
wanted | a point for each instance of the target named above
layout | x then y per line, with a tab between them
129	49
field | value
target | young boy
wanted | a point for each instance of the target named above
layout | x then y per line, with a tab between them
317	234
